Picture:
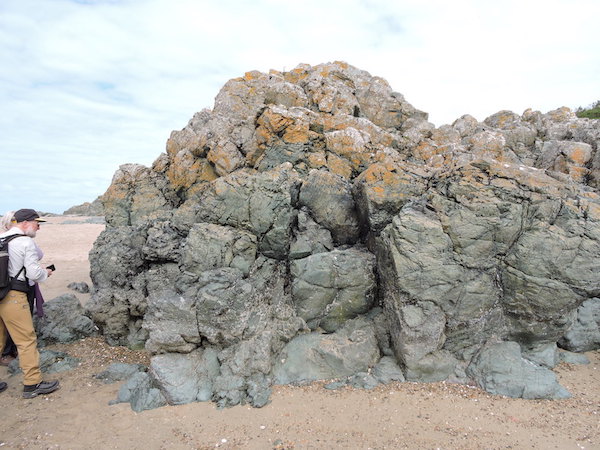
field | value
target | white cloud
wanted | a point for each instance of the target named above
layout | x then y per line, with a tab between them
89	85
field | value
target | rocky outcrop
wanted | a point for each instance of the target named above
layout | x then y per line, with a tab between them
94	208
314	225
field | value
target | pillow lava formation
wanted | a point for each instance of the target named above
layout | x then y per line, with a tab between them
314	225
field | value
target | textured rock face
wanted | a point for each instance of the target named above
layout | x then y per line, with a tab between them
94	208
313	222
63	321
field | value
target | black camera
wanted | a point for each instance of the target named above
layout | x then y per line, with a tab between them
51	267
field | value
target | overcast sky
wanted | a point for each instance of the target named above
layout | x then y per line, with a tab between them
88	85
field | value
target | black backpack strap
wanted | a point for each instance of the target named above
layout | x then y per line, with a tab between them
12	236
15	278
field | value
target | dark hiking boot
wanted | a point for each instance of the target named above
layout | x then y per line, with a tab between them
3	386
45	387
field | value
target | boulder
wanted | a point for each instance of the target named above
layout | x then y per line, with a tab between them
185	378
584	334
316	356
500	369
81	287
119	371
64	321
140	392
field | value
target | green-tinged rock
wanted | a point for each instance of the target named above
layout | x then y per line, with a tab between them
330	288
500	369
316	356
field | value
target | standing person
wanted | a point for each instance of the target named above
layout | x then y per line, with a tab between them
34	296
25	269
9	352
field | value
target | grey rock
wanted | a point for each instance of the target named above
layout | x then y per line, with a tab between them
545	355
277	155
315	356
119	371
382	330
573	358
81	287
228	390
230	309
64	321
310	238
135	193
335	385
258	390
420	331
329	199
584	333
500	369
94	208
211	246
383	189
50	362
164	241
387	370
363	380
139	391
258	203
116	256
185	378
113	311
330	288
438	365
170	320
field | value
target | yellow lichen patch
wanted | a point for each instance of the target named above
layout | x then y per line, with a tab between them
578	154
339	166
353	145
263	135
297	134
317	160
182	174
295	75
280	124
425	150
503	119
341	64
222	162
578	174
593	209
253	75
275	121
375	173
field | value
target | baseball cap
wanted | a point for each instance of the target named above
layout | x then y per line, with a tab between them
27	215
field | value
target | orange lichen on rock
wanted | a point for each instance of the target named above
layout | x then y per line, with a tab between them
278	124
339	166
578	153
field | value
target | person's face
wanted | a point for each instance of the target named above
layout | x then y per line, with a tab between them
31	228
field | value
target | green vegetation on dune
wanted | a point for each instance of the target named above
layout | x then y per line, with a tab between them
591	112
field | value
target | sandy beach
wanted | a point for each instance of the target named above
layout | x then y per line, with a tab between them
399	415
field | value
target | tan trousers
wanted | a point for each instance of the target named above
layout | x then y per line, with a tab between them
16	318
